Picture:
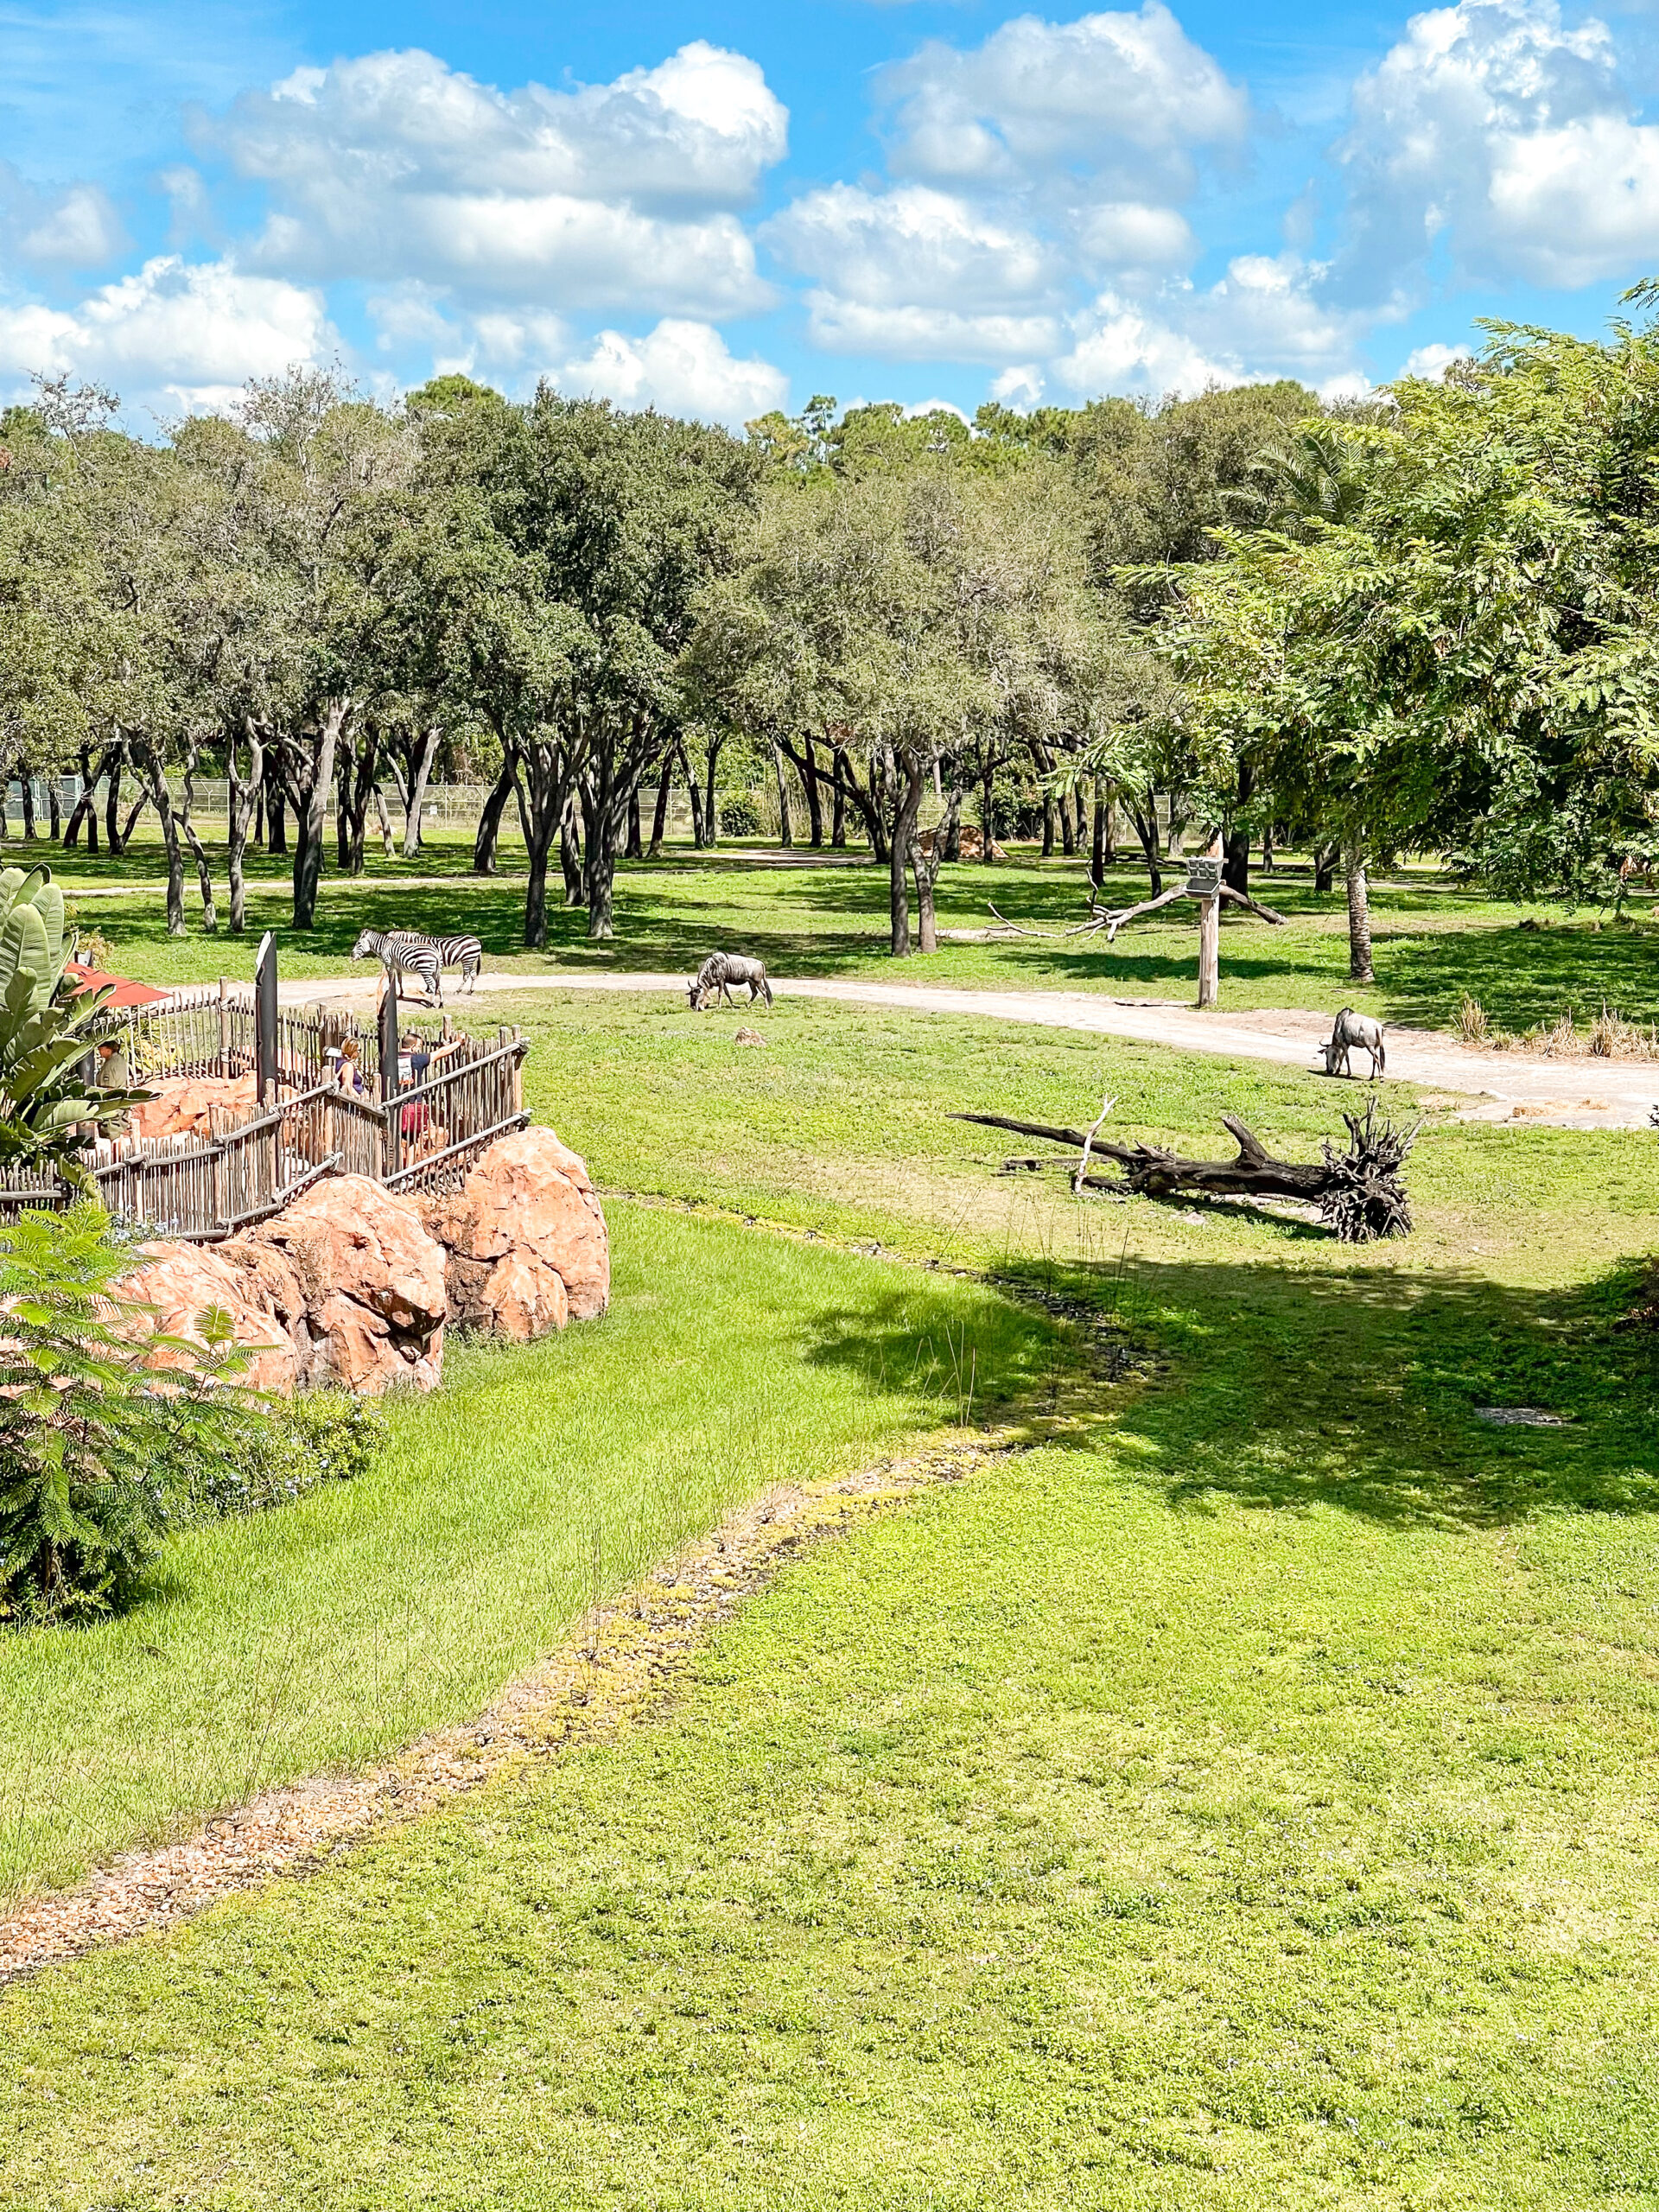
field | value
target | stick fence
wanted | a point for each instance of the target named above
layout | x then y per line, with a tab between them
252	1164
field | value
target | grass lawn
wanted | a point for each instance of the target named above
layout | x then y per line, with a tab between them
1433	944
323	1634
1241	1799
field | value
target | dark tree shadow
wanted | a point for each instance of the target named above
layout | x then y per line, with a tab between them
1327	1386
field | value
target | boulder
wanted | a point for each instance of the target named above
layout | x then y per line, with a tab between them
181	1281
370	1279
186	1108
353	1285
526	1240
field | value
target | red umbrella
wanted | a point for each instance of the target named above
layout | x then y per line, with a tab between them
127	991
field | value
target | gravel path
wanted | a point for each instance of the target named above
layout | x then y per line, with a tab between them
1499	1086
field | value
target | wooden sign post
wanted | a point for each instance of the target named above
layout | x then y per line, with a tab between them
1204	883
265	1017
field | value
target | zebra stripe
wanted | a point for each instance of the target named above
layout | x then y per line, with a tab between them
412	952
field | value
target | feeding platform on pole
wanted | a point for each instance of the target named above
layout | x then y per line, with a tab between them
1204	884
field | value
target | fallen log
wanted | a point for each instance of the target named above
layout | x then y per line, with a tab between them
1358	1192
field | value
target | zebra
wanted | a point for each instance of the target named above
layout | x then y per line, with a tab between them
719	972
409	952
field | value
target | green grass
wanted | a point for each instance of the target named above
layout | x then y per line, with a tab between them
323	1634
1242	1799
1114	1832
1433	944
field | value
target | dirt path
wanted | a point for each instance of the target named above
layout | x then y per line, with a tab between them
1500	1086
628	1655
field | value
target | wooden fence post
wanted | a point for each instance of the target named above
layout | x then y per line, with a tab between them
224	1027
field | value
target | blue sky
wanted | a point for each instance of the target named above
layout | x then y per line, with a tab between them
718	208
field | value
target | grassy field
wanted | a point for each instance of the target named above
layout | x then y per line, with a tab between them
322	1636
1434	944
1242	1798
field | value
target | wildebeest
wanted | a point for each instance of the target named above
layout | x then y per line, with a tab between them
717	975
1352	1030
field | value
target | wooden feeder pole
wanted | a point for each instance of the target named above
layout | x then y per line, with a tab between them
1204	885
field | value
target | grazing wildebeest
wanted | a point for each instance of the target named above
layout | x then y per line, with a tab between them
1351	1030
717	975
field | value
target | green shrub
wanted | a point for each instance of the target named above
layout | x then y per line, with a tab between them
288	1446
738	815
98	1452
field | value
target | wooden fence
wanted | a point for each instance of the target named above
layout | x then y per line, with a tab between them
251	1165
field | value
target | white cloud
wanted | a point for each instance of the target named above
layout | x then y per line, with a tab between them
1121	349
912	246
1263	318
1125	96
394	166
1021	386
76	227
173	336
1432	362
1504	131
683	368
923	333
1126	234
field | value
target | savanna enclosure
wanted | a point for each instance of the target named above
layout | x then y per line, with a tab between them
1210	1760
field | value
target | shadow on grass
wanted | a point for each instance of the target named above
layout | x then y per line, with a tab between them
962	1360
1360	1391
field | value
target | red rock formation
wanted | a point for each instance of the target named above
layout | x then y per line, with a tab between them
186	1108
353	1285
526	1240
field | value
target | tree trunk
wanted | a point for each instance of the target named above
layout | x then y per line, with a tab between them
838	807
148	765
245	796
571	849
188	829
601	807
311	795
814	795
636	847
659	813
903	833
1145	818
1101	836
85	809
539	781
1325	866
54	806
1359	913
1048	825
785	829
388	843
925	867
694	788
1235	857
27	781
112	800
276	809
987	810
711	804
950	831
489	821
343	810
419	774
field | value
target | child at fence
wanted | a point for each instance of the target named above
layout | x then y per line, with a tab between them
416	1058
